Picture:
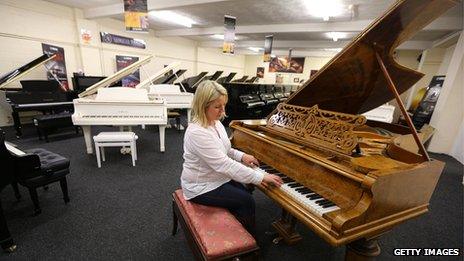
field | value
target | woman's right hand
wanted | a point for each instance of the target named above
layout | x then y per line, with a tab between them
272	180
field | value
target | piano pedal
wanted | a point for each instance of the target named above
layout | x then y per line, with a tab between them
277	240
125	150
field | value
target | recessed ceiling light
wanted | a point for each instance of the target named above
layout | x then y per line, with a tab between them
255	49
220	37
336	35
172	17
324	8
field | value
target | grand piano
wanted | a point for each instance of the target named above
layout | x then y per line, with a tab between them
120	106
36	95
345	178
175	98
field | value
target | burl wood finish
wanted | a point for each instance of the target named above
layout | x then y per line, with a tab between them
374	192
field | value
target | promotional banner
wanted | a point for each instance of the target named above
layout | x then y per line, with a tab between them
284	64
57	66
136	15
229	35
123	61
268	48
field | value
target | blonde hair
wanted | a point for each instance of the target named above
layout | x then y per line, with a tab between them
206	92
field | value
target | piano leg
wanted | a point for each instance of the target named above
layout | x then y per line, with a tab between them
362	249
17	123
161	133
285	226
189	115
88	138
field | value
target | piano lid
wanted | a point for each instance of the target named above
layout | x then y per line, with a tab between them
23	70
115	77
146	83
353	82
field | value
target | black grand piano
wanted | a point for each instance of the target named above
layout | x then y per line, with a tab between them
36	95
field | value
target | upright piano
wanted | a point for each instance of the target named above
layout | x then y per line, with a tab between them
120	106
35	95
344	177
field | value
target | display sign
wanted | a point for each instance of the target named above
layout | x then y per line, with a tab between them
57	66
132	79
121	40
229	35
136	15
268	48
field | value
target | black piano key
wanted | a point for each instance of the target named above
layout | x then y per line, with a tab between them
316	196
328	205
311	194
287	180
322	201
295	185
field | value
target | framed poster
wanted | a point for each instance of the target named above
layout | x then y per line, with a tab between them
260	72
424	111
284	64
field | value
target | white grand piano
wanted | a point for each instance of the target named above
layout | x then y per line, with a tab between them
120	106
175	98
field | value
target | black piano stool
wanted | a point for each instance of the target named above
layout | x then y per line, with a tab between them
52	168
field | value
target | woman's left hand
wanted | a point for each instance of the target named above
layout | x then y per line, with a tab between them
250	160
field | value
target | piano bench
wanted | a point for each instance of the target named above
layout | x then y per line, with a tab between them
50	122
52	168
115	139
212	233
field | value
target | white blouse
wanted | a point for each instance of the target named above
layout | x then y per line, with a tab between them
210	161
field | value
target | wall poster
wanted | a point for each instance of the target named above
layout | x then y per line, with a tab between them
268	48
260	72
424	111
284	64
122	61
57	66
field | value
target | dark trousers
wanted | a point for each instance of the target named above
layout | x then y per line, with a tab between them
234	197
5	237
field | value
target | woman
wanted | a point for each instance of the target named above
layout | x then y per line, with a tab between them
213	172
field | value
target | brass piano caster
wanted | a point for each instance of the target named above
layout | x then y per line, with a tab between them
125	150
277	240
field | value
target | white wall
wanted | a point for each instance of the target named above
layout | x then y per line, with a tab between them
28	23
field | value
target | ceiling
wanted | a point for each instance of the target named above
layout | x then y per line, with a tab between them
288	20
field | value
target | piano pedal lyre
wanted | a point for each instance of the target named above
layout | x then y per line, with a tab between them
285	227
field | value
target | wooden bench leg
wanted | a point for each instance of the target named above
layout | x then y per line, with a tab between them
175	220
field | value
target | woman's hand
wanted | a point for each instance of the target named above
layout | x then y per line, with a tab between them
250	161
272	180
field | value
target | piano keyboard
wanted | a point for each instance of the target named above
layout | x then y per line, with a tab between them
305	196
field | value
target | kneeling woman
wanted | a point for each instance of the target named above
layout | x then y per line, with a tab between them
213	172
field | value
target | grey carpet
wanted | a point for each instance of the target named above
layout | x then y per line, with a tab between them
120	212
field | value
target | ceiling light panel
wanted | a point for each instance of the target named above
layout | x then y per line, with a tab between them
172	17
324	8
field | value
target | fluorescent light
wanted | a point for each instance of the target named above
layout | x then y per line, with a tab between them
255	49
171	17
324	8
336	35
220	36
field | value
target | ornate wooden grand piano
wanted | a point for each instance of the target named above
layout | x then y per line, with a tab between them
345	179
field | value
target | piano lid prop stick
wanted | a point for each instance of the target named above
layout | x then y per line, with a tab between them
392	87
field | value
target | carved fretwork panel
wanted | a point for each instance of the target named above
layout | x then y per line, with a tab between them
312	126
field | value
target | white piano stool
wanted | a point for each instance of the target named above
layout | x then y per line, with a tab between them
115	139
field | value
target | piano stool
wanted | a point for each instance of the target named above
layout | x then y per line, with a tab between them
49	122
212	233
53	168
115	139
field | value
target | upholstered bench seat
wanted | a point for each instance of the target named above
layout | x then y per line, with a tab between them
213	233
